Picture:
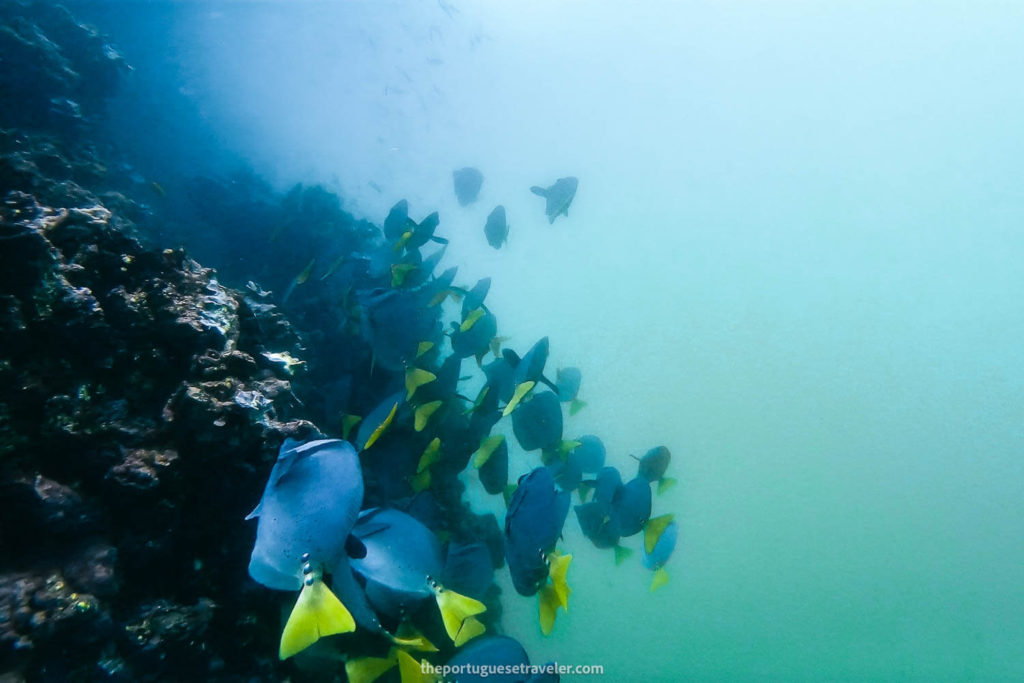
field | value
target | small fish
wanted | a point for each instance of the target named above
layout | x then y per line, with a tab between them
300	279
496	228
158	188
467	183
660	536
559	196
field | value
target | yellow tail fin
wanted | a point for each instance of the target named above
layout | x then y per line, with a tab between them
558	571
547	603
415	378
423	413
471	628
659	580
368	669
521	391
317	613
455	609
381	428
409	669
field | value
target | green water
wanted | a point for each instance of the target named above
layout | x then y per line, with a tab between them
795	259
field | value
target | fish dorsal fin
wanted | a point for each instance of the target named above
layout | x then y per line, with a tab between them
317	613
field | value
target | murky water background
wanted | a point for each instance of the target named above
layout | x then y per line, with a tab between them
794	259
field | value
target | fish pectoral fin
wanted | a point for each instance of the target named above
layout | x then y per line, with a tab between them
659	580
317	613
368	669
539	191
455	609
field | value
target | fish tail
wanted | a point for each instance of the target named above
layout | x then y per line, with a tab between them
318	612
456	609
659	580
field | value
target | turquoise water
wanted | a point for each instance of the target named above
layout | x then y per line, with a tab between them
794	259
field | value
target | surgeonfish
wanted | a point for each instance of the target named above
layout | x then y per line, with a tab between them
533	524
496	227
559	196
402	565
652	466
537	423
660	536
467	183
309	506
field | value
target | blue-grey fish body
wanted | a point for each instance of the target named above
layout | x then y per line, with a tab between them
401	553
653	463
662	549
533	524
485	654
468	569
496	227
632	506
559	196
568	382
467	183
537	423
395	321
591	453
310	504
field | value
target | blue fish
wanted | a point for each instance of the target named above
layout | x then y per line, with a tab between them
533	524
309	506
537	423
402	564
490	652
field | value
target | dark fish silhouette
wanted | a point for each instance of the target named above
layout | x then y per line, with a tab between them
496	228
559	196
467	184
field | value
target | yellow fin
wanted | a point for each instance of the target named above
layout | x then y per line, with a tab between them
665	483
431	454
567	447
521	391
576	406
347	423
423	413
486	450
423	347
455	609
471	319
409	669
317	613
381	428
547	607
659	580
420	482
368	669
301	278
399	271
621	554
471	628
558	570
653	530
415	378
479	400
496	345
408	636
